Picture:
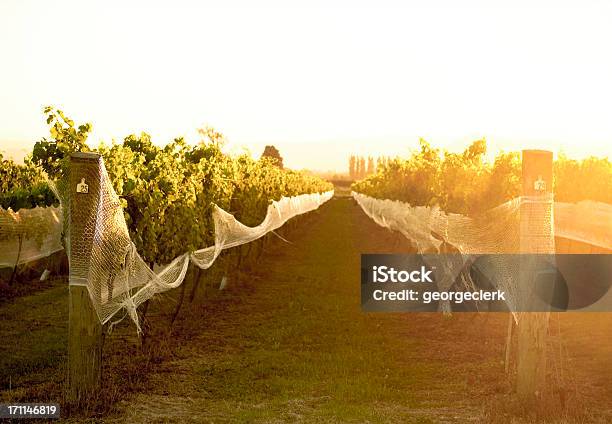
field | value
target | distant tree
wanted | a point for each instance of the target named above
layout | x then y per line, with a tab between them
362	167
370	169
273	153
352	166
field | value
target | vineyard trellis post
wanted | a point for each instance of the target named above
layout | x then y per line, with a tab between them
535	237
84	328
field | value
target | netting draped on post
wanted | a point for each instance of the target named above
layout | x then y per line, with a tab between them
587	221
120	278
113	271
497	230
115	275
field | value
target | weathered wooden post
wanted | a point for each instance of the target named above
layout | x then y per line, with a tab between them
536	236
84	329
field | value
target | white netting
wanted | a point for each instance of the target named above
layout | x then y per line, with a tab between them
520	225
587	221
40	229
106	260
29	234
228	233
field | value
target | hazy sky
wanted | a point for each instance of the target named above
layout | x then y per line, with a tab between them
319	82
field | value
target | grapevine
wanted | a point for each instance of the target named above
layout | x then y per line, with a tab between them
466	183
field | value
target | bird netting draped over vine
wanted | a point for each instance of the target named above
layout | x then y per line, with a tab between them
29	234
587	221
500	230
115	274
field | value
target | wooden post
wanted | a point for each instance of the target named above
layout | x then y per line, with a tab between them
84	329
536	236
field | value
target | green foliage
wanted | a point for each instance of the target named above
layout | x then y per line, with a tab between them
466	183
23	186
457	182
51	154
168	192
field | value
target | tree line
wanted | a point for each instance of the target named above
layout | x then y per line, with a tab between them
360	166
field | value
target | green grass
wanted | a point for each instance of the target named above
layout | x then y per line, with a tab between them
33	333
289	342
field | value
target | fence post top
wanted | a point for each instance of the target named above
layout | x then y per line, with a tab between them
85	155
535	152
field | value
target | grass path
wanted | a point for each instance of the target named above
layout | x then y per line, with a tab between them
292	344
